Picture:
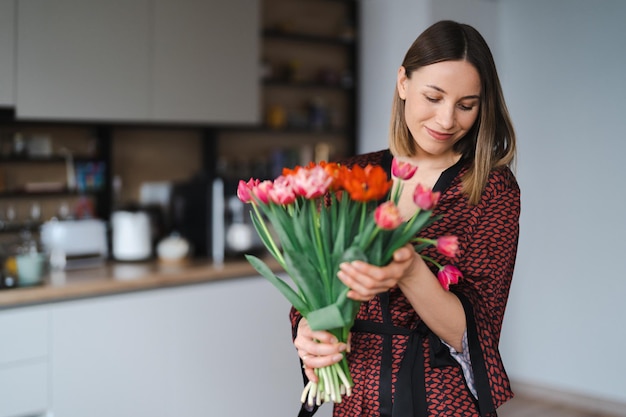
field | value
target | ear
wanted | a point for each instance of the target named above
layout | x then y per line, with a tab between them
401	83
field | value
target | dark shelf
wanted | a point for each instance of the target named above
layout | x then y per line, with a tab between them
288	130
306	84
17	227
44	159
42	194
304	37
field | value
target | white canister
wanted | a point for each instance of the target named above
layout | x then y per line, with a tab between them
131	235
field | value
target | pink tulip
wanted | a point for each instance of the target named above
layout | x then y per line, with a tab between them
311	182
448	246
387	216
262	190
282	191
402	170
244	189
425	198
449	275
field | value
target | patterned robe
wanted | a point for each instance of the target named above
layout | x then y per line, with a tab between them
399	367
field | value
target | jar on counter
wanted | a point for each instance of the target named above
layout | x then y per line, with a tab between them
25	264
8	267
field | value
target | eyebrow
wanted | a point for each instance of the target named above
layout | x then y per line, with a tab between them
441	90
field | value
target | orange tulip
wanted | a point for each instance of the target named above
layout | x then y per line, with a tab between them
367	184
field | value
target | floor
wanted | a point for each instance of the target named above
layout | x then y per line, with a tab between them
526	407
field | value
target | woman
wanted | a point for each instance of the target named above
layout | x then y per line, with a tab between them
417	349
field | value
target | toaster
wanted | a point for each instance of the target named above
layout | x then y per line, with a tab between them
74	244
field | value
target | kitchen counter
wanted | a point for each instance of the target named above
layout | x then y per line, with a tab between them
118	277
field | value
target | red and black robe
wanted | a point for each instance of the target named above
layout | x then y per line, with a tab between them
399	367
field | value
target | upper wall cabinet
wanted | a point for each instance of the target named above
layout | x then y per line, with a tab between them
7	53
137	60
80	59
205	61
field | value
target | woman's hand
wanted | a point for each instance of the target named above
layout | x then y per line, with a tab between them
365	280
317	349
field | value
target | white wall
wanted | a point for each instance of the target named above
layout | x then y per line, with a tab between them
563	69
564	74
388	30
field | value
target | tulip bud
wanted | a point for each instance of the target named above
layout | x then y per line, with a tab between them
448	246
449	275
425	198
402	170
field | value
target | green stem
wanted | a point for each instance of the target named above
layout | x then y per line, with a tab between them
363	214
274	249
431	260
397	189
371	239
408	224
318	246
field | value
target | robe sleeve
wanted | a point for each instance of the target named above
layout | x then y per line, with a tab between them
487	259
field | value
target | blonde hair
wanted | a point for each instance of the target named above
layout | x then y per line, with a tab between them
490	143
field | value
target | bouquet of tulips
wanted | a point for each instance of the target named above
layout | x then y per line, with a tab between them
325	214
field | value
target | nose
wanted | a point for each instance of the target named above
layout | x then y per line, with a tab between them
446	117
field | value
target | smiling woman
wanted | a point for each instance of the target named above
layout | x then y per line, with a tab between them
415	348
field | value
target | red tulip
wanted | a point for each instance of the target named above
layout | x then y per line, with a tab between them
448	246
311	182
387	216
262	190
244	189
425	198
402	170
282	191
449	275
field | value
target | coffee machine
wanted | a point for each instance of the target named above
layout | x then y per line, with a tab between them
197	214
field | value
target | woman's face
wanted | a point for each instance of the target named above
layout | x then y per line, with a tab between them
441	105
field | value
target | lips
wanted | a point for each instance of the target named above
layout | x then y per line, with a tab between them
438	135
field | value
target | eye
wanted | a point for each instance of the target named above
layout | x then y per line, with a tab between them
466	107
432	99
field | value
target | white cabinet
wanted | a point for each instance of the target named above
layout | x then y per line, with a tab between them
138	60
215	349
7	52
80	59
206	55
109	356
24	362
232	353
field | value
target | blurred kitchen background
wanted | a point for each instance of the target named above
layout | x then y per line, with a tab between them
140	116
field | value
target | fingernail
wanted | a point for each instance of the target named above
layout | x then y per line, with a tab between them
337	357
342	347
334	340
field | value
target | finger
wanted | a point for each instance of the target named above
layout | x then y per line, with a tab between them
314	349
404	253
310	374
320	335
311	361
367	281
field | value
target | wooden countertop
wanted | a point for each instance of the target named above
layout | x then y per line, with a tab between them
116	277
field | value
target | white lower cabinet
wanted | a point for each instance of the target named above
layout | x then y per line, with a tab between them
24	383
216	349
109	356
24	389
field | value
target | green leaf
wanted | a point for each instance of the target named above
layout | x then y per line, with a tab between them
376	251
327	318
353	253
307	279
291	296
